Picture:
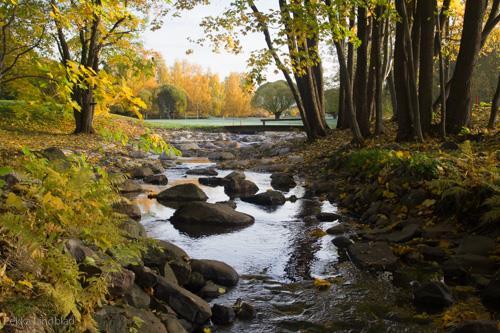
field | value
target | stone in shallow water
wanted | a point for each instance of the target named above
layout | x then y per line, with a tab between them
156	180
209	215
327	217
202	172
222	315
240	188
185	303
217	271
181	193
432	297
213	181
282	181
372	255
268	198
478	245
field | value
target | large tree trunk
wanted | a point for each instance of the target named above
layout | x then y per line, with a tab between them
402	90
494	107
345	124
459	100
392	92
425	83
344	73
85	116
360	80
341	101
414	14
413	88
442	80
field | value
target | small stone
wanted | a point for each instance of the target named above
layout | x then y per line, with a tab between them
141	172
432	297
137	297
121	282
244	310
337	230
222	315
211	290
328	217
156	180
268	198
202	172
478	245
342	242
217	271
130	186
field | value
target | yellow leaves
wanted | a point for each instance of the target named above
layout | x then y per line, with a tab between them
428	203
401	250
322	284
53	202
14	201
388	194
472	309
25	283
4	319
4	279
207	330
63	298
317	233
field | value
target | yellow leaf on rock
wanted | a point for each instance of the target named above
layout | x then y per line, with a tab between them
317	233
322	284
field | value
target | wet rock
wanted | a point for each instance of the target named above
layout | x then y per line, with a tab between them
169	274
167	252
121	282
186	147
221	156
137	298
407	233
184	303
222	315
414	197
479	245
217	271
244	310
372	255
134	229
125	207
181	193
209	215
236	175
459	268
141	172
144	276
268	198
432	253
311	220
490	295
115	319
11	179
282	181
449	145
202	172
230	203
213	181
477	326
156	180
342	242
327	217
309	207
240	188
130	186
174	325
137	154
337	230
211	290
432	297
196	282
167	156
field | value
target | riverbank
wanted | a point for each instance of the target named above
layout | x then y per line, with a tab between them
389	204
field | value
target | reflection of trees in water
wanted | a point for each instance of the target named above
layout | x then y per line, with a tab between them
303	246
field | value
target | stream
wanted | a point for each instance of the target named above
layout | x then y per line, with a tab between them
278	258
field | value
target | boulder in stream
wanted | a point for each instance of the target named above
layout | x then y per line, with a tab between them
202	172
217	271
268	198
242	188
156	179
372	255
282	181
213	181
209	217
182	193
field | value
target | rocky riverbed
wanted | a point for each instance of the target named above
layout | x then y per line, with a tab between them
250	246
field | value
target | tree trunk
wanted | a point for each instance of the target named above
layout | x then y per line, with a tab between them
277	115
392	92
413	89
85	116
425	84
345	124
402	89
459	100
494	107
376	46
344	73
360	80
414	13
442	80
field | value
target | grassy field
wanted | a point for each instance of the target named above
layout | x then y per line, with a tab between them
220	122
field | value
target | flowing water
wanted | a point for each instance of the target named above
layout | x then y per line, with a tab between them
278	258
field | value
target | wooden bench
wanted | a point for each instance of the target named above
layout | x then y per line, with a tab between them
264	120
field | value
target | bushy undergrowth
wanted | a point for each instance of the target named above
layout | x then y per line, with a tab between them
56	201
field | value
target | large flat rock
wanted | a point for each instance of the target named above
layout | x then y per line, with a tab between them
372	255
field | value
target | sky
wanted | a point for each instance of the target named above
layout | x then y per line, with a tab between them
172	41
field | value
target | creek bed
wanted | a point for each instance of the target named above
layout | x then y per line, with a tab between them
278	259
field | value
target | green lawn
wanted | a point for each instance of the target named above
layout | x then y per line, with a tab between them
220	122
